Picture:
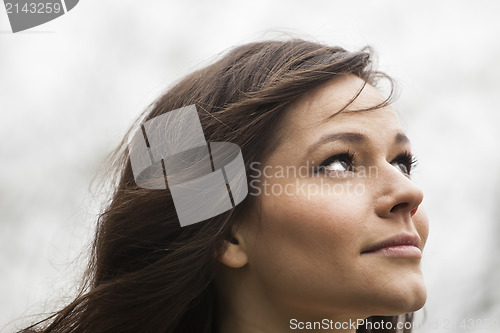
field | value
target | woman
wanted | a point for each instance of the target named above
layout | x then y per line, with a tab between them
320	250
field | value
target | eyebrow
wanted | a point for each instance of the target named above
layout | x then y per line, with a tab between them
353	137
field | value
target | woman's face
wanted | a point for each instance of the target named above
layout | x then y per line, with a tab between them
312	229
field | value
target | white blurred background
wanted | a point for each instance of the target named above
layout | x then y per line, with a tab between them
70	88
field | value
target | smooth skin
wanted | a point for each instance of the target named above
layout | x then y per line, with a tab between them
298	255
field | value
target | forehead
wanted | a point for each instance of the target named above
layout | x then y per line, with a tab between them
309	114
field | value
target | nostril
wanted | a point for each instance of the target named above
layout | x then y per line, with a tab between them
399	206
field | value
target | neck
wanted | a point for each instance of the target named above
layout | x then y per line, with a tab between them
252	310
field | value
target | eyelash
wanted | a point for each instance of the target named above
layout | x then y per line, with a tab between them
347	157
406	158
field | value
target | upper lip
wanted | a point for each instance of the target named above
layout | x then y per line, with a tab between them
398	240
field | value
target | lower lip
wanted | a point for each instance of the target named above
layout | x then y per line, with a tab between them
398	251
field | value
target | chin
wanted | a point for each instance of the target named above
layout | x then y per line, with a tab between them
407	295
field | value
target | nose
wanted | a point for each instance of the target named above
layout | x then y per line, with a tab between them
397	195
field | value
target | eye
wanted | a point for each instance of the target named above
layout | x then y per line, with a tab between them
338	163
405	163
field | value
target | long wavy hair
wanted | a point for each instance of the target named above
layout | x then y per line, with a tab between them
146	273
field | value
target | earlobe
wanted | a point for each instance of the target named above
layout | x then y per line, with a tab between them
235	255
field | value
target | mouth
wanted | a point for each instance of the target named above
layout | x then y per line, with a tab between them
402	245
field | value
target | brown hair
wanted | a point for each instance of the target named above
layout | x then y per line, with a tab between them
146	273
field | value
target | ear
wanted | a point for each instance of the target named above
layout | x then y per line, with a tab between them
235	255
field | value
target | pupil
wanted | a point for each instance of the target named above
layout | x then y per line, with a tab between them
403	167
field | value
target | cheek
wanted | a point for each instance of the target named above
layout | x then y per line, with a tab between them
308	242
421	224
313	222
